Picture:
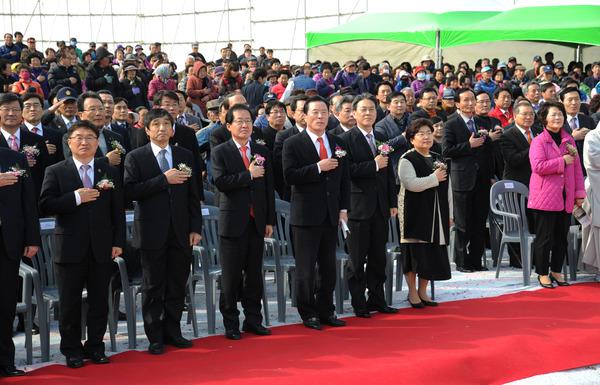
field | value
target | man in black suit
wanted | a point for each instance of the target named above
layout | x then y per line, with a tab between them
577	124
86	196
372	200
183	136
91	109
33	106
119	120
320	199
63	113
471	173
275	111
343	112
21	140
221	134
366	80
168	222
19	237
428	106
297	107
493	126
514	144
246	217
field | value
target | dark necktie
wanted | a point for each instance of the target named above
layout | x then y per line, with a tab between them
162	160
371	143
471	126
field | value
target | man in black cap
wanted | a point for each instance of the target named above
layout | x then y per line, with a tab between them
63	113
101	75
559	72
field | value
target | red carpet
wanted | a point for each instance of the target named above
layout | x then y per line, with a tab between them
483	341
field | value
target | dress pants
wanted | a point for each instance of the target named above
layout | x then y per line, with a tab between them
366	244
551	229
315	245
71	279
9	274
470	213
165	273
241	264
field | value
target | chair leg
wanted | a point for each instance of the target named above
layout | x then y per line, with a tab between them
389	279
44	323
432	283
265	301
210	304
192	307
280	277
499	260
28	334
129	298
526	255
112	320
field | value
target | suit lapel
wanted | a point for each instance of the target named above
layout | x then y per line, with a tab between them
73	173
311	150
152	159
362	142
236	154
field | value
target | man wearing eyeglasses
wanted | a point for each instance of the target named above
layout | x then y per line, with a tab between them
85	195
33	108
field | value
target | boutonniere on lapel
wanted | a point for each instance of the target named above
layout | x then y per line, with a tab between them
17	171
116	146
257	160
482	132
105	183
176	144
440	164
261	142
185	169
339	152
31	152
571	150
384	148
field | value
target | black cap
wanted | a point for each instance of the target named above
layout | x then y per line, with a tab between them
537	58
66	93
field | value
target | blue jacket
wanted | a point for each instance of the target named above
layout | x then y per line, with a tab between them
304	82
5	53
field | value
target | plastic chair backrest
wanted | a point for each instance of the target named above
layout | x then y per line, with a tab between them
282	228
210	232
508	200
393	234
129	217
42	261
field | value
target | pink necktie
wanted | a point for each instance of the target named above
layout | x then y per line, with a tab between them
87	182
14	144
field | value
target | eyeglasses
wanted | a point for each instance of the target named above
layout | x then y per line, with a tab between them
81	139
95	110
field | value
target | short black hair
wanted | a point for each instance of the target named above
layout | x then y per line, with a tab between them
546	86
383	83
461	91
82	124
86	95
105	92
294	101
259	73
237	107
394	95
361	97
158	98
428	89
182	93
414	126
568	90
9	97
364	66
32	95
499	90
315	99
156	113
272	104
545	109
119	99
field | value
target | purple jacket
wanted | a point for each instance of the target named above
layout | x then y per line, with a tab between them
550	175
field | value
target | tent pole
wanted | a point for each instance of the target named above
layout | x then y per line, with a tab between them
578	53
438	50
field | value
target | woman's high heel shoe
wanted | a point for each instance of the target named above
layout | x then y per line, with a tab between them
428	303
418	305
546	285
559	283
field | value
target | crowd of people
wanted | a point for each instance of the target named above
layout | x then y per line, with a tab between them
89	134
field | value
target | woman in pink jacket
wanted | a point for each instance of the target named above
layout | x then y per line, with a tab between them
555	188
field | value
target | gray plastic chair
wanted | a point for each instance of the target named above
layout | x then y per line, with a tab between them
393	254
341	263
508	200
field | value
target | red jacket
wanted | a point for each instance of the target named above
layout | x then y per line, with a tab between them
505	119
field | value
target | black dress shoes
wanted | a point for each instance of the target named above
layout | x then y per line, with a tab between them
156	348
480	268
362	313
312	323
559	283
179	342
334	321
257	329
10	371
233	334
75	362
97	357
384	309
463	269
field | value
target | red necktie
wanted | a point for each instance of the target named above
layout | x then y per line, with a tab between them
528	133
322	149
247	164
34	130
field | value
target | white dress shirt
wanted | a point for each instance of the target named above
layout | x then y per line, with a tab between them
169	155
40	130
317	145
7	136
365	133
90	173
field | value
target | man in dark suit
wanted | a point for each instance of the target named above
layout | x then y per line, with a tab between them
91	109
168	222
63	112
275	111
183	136
577	124
119	121
33	105
86	196
297	107
343	112
366	80
221	134
21	140
372	200
471	173
246	217
19	237
428	106
514	143
493	126
320	199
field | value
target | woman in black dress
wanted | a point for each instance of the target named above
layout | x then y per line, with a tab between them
423	212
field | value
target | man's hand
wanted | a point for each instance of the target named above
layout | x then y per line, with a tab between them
56	105
30	251
393	212
343	216
328	164
495	134
51	148
114	158
441	174
580	133
88	194
175	176
31	161
116	251
195	126
268	231
8	179
73	80
256	171
568	159
578	202
382	161
41	78
195	239
476	142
